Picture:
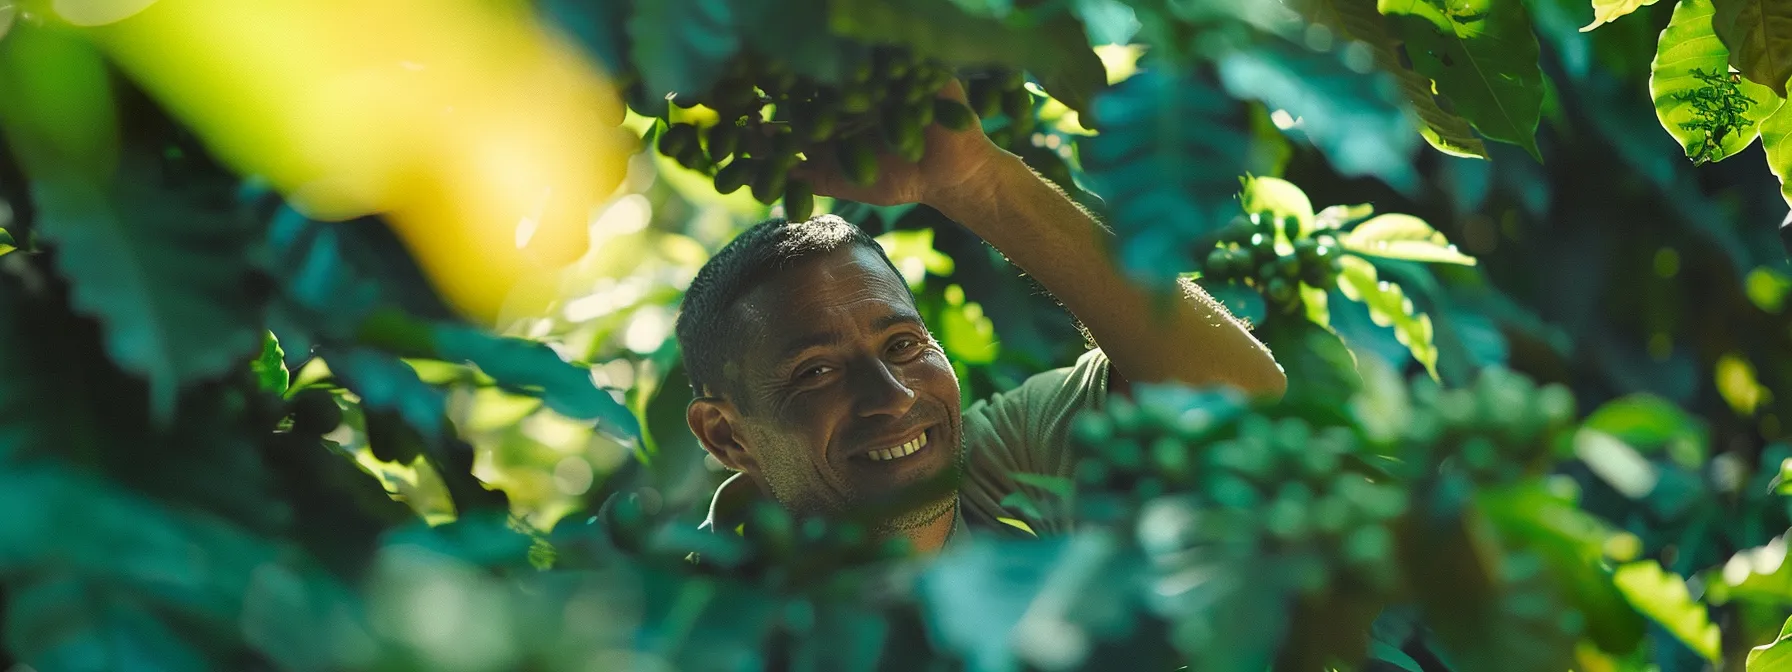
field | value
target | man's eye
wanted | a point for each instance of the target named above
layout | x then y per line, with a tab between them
814	371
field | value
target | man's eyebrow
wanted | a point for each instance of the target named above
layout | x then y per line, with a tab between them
893	319
795	347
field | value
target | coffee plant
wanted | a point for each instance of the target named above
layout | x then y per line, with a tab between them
336	335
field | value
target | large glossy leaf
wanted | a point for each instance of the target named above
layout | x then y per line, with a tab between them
1776	139
167	273
1712	113
1356	120
1167	163
1607	11
1483	57
681	45
1389	307
1359	19
1398	236
1759	36
1663	597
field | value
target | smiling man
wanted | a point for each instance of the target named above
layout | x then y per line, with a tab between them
818	382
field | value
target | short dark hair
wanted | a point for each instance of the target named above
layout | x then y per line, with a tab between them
707	339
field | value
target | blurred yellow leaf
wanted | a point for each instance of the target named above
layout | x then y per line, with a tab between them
485	140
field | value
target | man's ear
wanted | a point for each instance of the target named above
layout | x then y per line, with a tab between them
716	426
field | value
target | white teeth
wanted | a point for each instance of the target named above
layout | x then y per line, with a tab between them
903	450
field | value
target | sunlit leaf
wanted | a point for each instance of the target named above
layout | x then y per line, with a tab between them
1355	119
1389	306
1663	597
1774	656
1359	19
1607	11
1279	198
1483	57
1711	112
1776	139
270	367
1759	36
1649	423
1400	236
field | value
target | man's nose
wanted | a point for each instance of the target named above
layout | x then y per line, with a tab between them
879	391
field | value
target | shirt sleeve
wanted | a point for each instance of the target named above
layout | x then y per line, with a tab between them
1027	431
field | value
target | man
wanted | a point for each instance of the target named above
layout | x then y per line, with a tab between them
818	383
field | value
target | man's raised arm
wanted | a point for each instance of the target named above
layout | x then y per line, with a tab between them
1029	219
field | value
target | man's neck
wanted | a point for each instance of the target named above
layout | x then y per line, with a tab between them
931	537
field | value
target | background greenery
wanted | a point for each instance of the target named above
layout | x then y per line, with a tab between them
1543	367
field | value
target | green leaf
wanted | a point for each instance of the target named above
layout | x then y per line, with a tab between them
1607	11
1077	75
681	45
168	276
1398	236
1710	112
270	367
1663	597
1650	423
7	244
1774	656
1360	20
56	104
1759	36
1355	119
534	368
1389	306
385	383
1321	370
1776	139
598	25
1279	198
1483	57
1167	163
61	622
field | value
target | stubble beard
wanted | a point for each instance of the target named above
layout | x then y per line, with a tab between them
912	507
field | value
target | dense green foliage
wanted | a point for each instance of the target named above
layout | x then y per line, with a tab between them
1536	335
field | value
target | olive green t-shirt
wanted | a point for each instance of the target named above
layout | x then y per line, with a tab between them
1022	431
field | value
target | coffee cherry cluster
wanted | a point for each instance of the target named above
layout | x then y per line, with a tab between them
1500	429
771	119
1247	251
1242	484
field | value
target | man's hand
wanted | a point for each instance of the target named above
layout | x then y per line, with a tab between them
951	161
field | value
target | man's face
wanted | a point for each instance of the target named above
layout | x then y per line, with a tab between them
848	404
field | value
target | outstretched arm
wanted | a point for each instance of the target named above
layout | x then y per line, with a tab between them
1192	339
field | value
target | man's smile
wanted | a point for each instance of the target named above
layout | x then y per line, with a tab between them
905	449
